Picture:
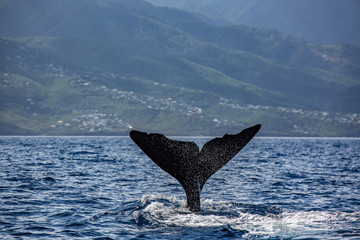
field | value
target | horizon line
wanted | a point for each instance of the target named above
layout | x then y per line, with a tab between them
177	136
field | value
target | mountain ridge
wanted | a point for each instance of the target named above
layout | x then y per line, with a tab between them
321	21
131	52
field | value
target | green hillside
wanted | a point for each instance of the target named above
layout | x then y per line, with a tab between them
102	68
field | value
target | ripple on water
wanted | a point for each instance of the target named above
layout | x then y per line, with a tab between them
105	188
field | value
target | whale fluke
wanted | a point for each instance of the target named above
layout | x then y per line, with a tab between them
186	163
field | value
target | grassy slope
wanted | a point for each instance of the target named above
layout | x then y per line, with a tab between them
150	42
50	94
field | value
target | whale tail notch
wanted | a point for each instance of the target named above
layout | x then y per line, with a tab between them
183	160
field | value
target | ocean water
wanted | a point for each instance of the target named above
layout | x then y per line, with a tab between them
106	188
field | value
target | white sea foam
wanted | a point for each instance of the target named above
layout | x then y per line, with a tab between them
170	211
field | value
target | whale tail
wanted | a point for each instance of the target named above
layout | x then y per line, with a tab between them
183	160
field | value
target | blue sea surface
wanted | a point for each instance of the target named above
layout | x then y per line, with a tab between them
106	188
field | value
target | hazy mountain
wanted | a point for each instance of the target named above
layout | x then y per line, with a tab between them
99	67
323	21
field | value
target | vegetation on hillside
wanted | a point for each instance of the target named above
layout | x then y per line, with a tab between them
105	68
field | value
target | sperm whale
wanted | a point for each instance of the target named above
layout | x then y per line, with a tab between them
189	166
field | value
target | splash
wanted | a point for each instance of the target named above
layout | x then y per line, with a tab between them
253	220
